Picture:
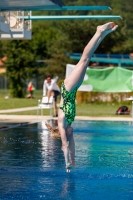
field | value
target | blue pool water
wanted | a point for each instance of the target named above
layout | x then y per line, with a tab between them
32	164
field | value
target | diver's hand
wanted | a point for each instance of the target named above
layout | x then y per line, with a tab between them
68	170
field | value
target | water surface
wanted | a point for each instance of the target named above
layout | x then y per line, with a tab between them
32	164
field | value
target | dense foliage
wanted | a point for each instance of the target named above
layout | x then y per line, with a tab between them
51	40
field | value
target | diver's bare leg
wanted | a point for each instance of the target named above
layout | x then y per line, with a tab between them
76	77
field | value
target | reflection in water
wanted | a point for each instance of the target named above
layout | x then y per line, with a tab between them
68	187
29	146
45	144
50	149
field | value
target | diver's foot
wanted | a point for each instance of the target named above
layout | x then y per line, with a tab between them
107	28
67	170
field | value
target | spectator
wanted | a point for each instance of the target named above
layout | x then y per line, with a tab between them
30	89
50	88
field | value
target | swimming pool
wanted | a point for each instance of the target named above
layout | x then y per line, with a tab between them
32	164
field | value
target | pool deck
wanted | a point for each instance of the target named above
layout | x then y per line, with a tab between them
34	118
10	118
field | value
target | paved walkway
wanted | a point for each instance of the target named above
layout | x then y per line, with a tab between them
34	118
18	109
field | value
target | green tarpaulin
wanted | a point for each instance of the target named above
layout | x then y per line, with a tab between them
111	79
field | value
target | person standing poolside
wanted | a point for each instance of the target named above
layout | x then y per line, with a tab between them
50	88
66	113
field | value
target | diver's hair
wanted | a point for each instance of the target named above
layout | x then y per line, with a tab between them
54	131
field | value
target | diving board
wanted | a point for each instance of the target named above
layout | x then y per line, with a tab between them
46	5
16	19
25	5
66	8
71	17
14	27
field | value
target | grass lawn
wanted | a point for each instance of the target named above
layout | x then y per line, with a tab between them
90	109
99	109
18	102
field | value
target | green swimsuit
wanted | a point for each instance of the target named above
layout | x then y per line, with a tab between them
68	106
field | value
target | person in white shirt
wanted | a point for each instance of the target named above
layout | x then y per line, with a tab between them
50	88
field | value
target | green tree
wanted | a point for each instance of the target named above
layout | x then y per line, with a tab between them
52	40
43	39
20	64
2	49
